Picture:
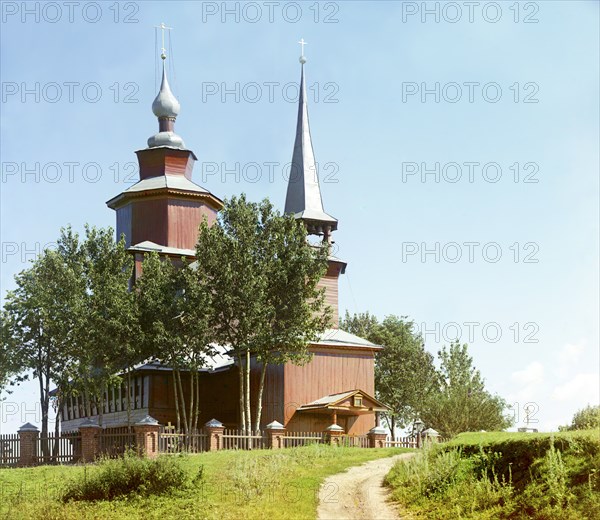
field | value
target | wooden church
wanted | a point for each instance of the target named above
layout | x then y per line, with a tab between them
162	212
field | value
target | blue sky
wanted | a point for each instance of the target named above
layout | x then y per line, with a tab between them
528	111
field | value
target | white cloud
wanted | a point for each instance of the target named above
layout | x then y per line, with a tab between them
530	375
582	389
571	353
526	383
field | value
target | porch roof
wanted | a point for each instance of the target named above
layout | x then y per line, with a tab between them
340	404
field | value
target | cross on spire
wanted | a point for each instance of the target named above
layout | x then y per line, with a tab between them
302	44
163	27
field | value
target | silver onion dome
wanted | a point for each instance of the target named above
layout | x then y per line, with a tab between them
166	109
165	104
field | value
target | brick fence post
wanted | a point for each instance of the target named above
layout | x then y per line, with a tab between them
334	434
214	430
90	443
146	436
28	442
377	437
275	433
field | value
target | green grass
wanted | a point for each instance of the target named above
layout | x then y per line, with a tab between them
501	475
234	485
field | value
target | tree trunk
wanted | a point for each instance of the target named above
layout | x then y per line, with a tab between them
261	387
183	411
45	403
88	403
242	394
56	428
191	418
247	392
393	427
197	401
101	408
128	399
176	401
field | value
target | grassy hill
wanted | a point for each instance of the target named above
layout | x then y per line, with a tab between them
501	475
223	485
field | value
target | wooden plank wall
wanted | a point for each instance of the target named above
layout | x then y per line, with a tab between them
330	371
184	219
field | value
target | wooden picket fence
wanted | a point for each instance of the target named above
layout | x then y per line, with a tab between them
115	443
242	440
62	449
9	450
171	442
66	448
295	439
355	441
401	442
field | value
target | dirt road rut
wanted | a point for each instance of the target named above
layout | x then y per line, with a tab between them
359	494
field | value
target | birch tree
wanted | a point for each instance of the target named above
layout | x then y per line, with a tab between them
263	275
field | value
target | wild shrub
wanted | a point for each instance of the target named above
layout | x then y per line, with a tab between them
255	476
437	478
126	476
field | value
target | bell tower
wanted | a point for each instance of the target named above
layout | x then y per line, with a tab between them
304	199
164	209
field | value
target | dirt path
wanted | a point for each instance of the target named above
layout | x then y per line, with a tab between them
359	494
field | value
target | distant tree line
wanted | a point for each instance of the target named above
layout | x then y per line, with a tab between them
78	321
451	399
587	418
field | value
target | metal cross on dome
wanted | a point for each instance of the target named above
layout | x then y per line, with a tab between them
163	27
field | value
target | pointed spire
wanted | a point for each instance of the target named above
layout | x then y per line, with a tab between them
303	192
166	108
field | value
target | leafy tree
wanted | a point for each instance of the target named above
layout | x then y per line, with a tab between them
107	326
461	402
293	306
362	324
39	321
264	274
174	306
9	366
585	419
70	320
404	371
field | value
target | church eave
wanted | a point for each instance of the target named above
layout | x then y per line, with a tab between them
125	197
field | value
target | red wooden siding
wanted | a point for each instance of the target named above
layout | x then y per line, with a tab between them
184	218
161	161
330	371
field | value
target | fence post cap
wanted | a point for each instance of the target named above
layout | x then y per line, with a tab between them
334	428
378	430
88	423
28	427
275	425
213	423
147	421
